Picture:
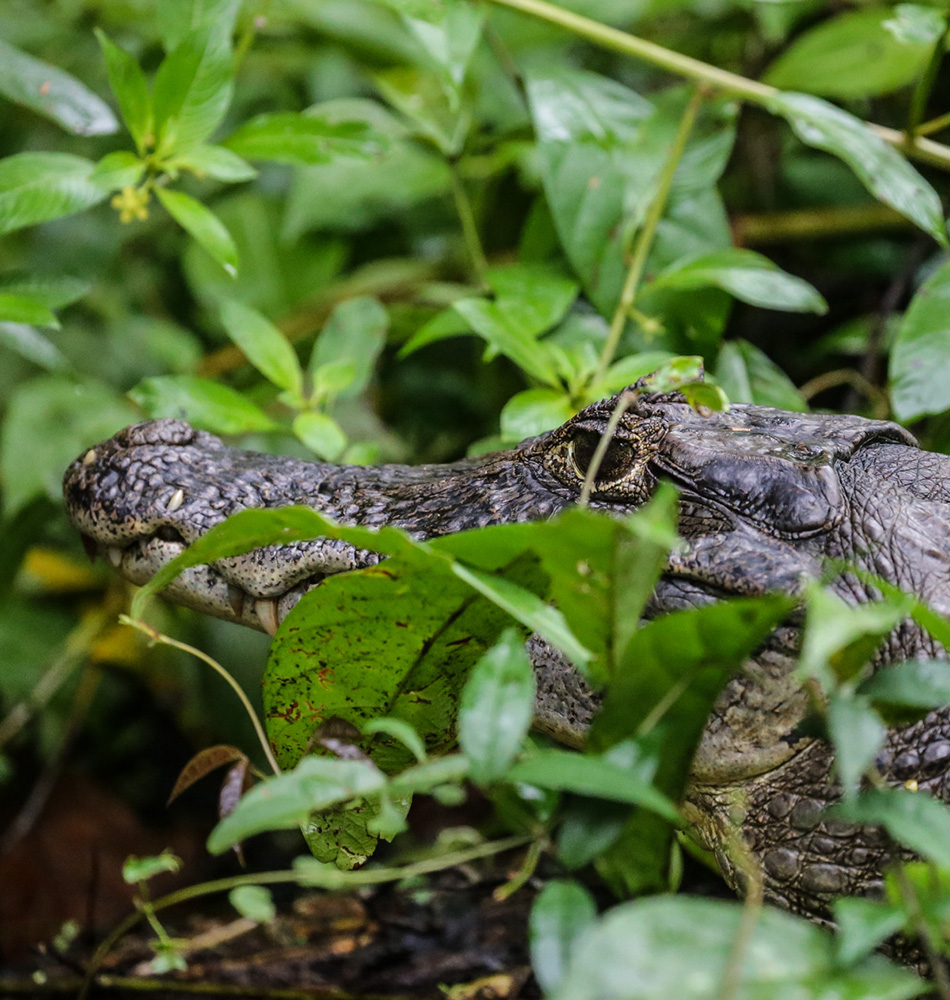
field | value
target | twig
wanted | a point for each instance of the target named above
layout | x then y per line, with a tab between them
647	232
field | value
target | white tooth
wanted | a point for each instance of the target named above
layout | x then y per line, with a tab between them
114	555
177	499
267	614
89	457
236	600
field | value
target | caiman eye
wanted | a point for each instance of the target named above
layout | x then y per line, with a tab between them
616	462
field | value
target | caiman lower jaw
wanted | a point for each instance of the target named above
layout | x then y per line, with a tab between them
209	589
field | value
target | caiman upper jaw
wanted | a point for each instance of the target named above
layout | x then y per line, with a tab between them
140	498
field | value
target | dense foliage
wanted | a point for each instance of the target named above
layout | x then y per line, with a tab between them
404	230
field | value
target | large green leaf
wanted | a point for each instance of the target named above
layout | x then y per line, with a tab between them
206	404
130	87
303	139
203	225
748	276
37	187
680	948
848	56
879	167
920	360
192	90
747	375
53	93
267	349
354	335
562	910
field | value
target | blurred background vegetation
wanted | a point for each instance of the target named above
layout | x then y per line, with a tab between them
458	154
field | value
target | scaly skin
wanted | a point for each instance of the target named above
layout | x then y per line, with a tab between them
766	497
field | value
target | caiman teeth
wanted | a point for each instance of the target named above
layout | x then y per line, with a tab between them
114	556
92	550
175	501
266	609
236	600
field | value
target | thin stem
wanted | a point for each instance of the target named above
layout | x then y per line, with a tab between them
922	91
758	229
624	403
937	124
335	880
647	232
467	218
694	69
155	636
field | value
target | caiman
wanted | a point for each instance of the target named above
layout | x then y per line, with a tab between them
766	498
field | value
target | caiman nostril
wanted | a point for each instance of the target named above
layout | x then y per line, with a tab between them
169	534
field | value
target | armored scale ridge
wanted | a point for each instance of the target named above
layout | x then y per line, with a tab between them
766	498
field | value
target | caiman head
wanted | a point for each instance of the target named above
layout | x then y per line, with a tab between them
766	496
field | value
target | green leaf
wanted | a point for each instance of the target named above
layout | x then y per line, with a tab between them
286	802
321	434
528	608
857	733
37	187
192	90
747	375
203	225
496	708
49	420
213	161
53	93
904	692
255	902
354	335
118	170
879	167
30	344
267	349
748	276
863	924
595	777
208	405
25	309
919	366
130	87
916	24
136	870
534	411
636	952
916	819
601	148
848	56
450	43
54	291
304	138
561	911
423	10
840	638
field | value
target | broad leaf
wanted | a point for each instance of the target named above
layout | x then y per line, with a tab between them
747	375
267	349
303	139
206	404
321	434
213	161
920	360
130	87
636	952
53	93
858	735
562	910
354	335
748	276
203	225
496	708
879	167
905	692
850	55
37	187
